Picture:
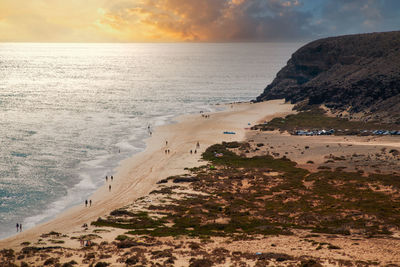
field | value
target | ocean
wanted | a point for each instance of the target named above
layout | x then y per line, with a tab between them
69	113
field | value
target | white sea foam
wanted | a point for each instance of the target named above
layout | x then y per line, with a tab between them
71	112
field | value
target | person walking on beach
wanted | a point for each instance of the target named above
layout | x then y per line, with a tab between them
90	203
106	178
20	227
17	227
86	203
112	178
191	152
166	143
198	145
109	188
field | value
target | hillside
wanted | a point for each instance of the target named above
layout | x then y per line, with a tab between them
359	74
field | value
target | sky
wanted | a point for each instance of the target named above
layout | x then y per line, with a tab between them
192	20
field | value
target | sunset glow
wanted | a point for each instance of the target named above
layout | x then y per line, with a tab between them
189	20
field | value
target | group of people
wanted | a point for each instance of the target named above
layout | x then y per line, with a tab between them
88	202
19	227
112	179
85	243
204	115
197	147
166	151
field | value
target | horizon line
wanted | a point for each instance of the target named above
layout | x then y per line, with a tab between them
150	42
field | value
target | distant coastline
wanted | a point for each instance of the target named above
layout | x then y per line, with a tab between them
355	76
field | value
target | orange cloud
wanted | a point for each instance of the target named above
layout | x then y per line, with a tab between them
214	20
180	19
140	20
184	20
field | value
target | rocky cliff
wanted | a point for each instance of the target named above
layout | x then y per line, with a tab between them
358	75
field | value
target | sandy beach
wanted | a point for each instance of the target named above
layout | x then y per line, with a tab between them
137	176
136	189
232	133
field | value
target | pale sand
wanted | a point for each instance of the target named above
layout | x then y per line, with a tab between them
137	176
320	147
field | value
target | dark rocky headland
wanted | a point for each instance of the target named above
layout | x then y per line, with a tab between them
355	75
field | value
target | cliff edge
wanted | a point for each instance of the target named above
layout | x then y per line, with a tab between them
355	75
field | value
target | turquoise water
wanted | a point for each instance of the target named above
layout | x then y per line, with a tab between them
69	113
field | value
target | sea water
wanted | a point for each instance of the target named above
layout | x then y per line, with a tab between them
69	113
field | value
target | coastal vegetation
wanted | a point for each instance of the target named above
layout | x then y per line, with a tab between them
239	196
235	197
274	200
315	119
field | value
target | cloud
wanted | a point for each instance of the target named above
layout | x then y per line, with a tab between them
355	16
192	20
223	20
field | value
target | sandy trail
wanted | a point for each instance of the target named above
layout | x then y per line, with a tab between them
137	176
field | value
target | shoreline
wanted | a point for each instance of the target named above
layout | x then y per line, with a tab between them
97	183
136	176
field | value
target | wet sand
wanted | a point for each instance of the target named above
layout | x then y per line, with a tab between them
137	176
